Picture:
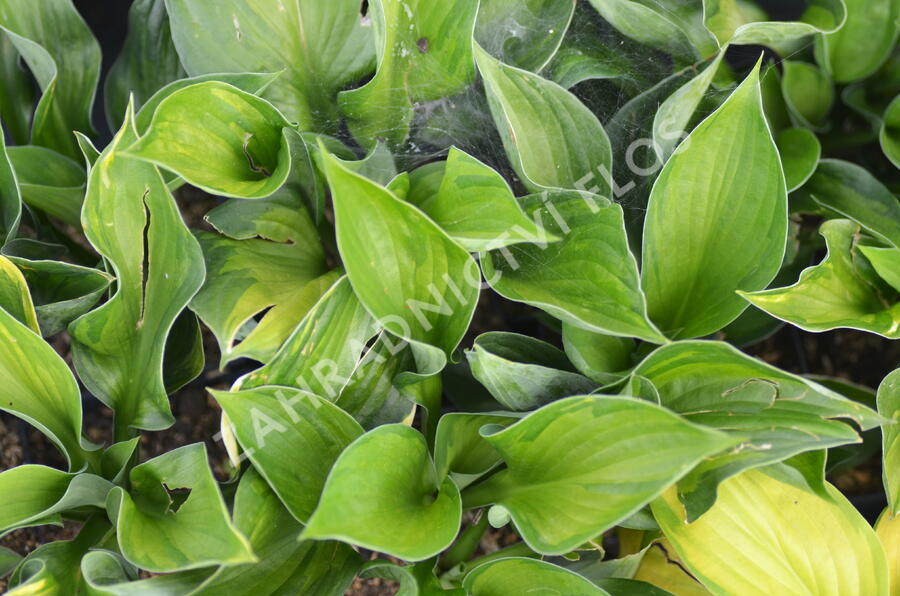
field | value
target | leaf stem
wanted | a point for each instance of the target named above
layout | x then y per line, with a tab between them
466	545
486	492
122	430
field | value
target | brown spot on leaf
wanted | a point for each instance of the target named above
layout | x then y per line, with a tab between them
423	45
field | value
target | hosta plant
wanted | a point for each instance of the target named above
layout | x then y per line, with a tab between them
473	272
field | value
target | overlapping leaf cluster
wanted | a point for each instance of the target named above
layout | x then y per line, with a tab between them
384	177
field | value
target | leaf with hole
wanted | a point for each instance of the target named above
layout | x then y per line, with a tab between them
130	218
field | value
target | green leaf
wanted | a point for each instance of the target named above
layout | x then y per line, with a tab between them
89	152
588	279
706	193
867	103
64	57
15	298
845	457
800	151
157	535
418	579
751	327
630	131
773	99
585	56
148	60
811	469
693	377
131	219
17	95
267	256
285	565
39	495
52	568
9	559
776	415
307	177
383	494
371	395
459	446
661	567
520	575
841	291
106	573
378	165
46	570
61	291
591	564
617	576
184	358
468	190
426	392
885	261
10	199
886	528
808	93
889	407
292	437
674	115
735	22
590	454
853	192
220	139
890	132
551	138
40	388
724	17
115	461
321	46
758	539
425	286
251	82
774	434
638	386
424	54
324	349
523	34
596	355
31	490
425	182
523	373
49	181
402	575
673	27
29	248
862	44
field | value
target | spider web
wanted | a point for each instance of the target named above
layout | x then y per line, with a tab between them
625	105
465	121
